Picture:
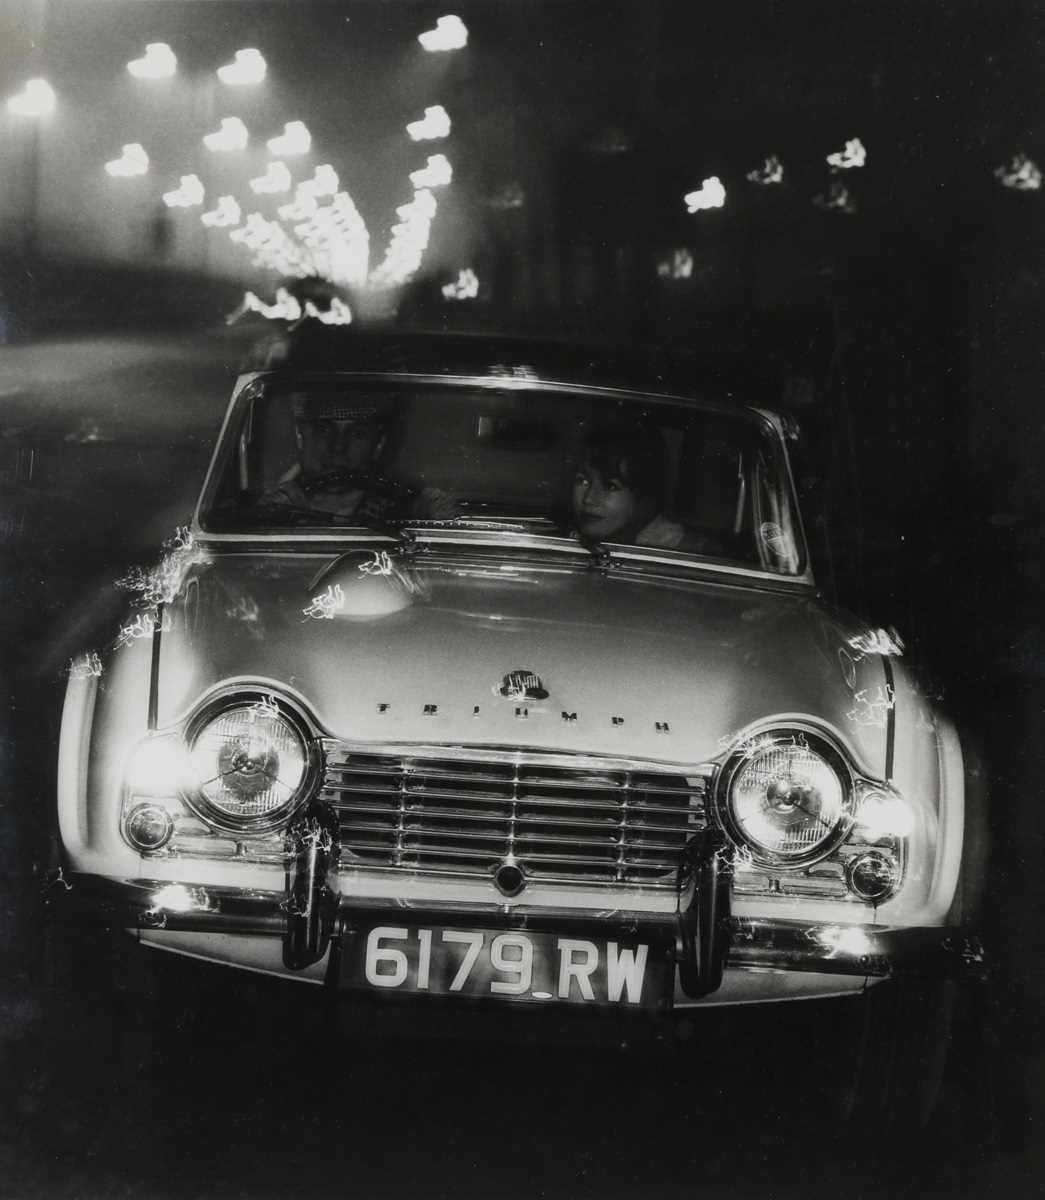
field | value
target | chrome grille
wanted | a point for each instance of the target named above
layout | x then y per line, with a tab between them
625	823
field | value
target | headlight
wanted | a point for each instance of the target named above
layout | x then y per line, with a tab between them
786	797
251	763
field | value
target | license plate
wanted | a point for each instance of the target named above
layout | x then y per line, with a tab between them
532	966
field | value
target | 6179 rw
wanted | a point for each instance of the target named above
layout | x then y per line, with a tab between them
492	670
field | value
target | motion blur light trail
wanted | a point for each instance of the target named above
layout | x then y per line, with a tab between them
187	195
1022	174
249	66
159	62
295	139
37	99
449	33
232	135
276	179
854	155
434	125
437	173
711	195
227	212
133	161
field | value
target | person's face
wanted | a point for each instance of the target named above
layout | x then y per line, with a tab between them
604	509
328	444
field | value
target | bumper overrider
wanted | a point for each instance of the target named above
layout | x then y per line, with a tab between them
702	936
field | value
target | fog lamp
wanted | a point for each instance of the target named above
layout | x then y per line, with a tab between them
148	827
872	876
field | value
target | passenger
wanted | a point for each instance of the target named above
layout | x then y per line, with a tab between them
620	491
341	442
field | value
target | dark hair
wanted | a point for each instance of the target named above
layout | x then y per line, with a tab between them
638	457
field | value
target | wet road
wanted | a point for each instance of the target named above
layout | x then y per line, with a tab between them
184	1086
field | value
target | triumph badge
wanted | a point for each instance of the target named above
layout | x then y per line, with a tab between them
523	685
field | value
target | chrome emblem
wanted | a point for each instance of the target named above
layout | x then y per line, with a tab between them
523	685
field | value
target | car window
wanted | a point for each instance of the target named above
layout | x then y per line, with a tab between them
693	479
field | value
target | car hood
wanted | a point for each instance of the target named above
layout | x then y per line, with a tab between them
463	650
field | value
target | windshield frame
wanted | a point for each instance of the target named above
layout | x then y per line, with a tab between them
434	533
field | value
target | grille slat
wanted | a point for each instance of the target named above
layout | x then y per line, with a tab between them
623	825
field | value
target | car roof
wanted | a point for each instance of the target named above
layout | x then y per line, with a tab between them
709	373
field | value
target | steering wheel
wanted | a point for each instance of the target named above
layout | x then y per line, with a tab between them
365	481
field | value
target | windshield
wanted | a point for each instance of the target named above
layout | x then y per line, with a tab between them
667	476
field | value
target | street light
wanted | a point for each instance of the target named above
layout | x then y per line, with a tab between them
159	62
232	135
295	139
450	33
37	99
132	161
248	67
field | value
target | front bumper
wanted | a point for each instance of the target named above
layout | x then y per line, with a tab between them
772	944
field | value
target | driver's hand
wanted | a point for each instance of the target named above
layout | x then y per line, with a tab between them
433	504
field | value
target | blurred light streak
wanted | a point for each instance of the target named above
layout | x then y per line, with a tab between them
227	212
409	241
1022	174
326	604
295	139
273	248
886	642
854	155
37	99
680	266
509	197
86	666
188	194
285	307
159	62
276	179
711	195
248	67
337	314
449	33
232	135
132	161
771	171
437	173
837	199
465	287
337	238
435	124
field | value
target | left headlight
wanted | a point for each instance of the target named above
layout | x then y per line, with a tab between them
251	763
786	797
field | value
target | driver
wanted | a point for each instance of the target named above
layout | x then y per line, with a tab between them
341	442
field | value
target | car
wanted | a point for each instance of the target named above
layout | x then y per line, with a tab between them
403	713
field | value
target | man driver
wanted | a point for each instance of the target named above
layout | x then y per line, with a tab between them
341	441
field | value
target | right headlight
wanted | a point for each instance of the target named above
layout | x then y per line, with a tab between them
786	797
251	763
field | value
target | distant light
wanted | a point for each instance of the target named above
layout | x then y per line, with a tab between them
771	171
188	194
1022	174
232	135
249	67
854	155
272	247
37	99
838	198
226	212
711	195
276	179
324	182
295	139
435	124
680	266
337	239
159	62
509	197
449	34
437	173
132	161
465	287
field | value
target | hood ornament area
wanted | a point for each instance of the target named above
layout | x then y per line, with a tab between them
523	684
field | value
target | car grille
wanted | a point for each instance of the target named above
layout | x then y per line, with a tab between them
624	824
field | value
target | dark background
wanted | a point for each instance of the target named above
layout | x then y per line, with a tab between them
906	336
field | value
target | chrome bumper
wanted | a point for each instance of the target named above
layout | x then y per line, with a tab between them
769	943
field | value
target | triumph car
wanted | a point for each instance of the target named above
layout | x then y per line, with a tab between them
396	715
